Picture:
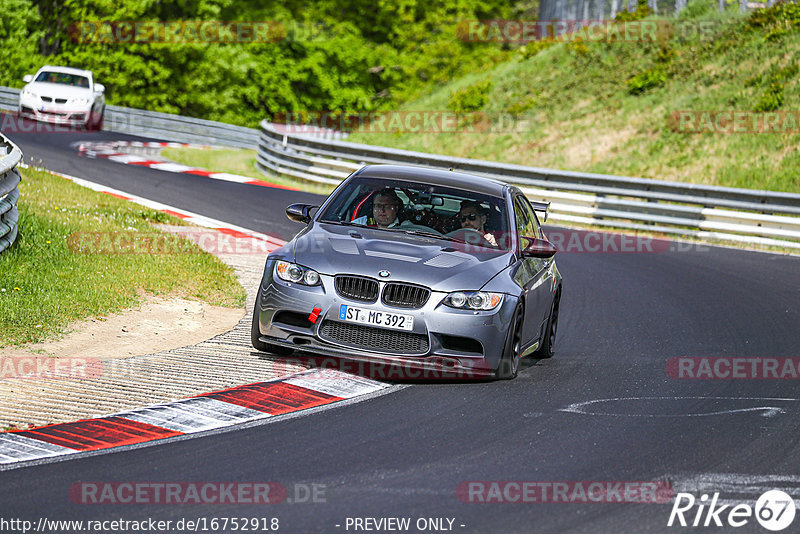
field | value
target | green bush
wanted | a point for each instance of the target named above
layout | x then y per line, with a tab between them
646	80
665	54
521	106
578	47
772	99
472	98
786	14
642	11
328	55
773	96
534	47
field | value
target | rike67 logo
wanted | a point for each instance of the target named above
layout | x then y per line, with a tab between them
774	510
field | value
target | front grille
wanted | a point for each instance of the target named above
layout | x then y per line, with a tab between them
405	295
61	100
357	288
46	99
372	338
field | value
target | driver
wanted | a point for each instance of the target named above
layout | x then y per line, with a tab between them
473	217
386	207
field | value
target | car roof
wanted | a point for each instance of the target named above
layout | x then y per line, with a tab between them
477	184
66	70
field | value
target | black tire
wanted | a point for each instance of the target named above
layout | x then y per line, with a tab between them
546	348
99	124
259	345
509	362
95	122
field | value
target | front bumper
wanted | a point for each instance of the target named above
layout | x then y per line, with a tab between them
72	115
445	342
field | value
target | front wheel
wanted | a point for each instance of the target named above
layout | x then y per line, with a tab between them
99	124
95	121
509	362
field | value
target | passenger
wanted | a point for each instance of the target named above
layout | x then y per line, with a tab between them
386	206
472	216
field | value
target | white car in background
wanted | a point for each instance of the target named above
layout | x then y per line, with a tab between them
63	95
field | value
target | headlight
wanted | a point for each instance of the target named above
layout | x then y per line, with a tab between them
79	101
473	300
291	272
31	94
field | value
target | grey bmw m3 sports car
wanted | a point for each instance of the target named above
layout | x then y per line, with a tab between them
416	268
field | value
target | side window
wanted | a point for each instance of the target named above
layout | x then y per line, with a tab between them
521	220
526	221
534	222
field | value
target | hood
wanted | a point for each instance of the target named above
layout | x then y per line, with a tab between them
59	90
441	265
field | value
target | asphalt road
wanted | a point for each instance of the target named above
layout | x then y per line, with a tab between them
405	454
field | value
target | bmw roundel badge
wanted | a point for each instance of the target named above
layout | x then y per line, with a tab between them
384	273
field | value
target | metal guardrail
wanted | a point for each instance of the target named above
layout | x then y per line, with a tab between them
703	211
160	125
171	127
177	128
9	99
10	156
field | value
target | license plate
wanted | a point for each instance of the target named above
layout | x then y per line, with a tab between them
396	321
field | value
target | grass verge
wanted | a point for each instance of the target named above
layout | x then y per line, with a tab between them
45	285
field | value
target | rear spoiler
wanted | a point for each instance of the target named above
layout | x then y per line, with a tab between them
541	208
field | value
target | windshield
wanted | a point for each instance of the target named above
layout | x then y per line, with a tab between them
63	78
421	209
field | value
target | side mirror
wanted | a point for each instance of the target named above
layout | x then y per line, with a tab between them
99	88
28	78
300	212
539	248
